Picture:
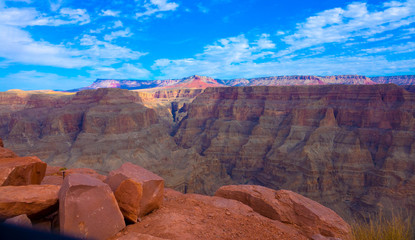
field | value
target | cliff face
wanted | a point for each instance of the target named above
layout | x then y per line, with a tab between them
399	80
351	148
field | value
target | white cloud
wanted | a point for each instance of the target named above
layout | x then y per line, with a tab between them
380	38
156	7
22	17
220	58
25	1
33	80
202	8
117	24
110	13
340	25
401	48
104	53
18	46
126	71
117	34
55	4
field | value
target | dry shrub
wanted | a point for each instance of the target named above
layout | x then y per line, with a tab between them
379	227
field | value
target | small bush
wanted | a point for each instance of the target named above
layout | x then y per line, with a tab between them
380	227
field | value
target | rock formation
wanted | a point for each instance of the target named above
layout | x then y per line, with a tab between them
88	209
289	207
348	147
138	191
16	171
33	200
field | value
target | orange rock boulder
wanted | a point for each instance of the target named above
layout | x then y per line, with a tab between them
88	209
32	200
288	207
138	191
21	171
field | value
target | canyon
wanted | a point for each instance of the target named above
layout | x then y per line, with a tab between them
348	147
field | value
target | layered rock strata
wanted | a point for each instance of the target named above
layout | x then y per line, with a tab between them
348	147
351	148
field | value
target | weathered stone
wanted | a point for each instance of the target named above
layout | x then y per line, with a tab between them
21	171
129	194
152	186
7	153
88	209
194	216
21	220
33	200
289	207
54	175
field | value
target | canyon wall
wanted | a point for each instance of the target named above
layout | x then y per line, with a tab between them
351	148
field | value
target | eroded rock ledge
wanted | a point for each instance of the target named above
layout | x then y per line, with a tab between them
88	208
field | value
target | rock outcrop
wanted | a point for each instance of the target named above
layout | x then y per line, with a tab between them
88	209
290	208
193	216
138	191
33	200
16	171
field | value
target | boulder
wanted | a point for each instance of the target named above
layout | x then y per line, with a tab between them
88	208
291	208
152	190
7	153
21	171
33	200
129	194
20	220
54	174
1	143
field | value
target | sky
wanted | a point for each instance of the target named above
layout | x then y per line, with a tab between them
66	44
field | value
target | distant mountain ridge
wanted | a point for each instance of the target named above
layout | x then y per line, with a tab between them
196	81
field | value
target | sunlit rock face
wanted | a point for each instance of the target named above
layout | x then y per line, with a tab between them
348	147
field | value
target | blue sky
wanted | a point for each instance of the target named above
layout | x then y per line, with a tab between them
64	44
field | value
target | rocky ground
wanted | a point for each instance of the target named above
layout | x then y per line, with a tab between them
131	203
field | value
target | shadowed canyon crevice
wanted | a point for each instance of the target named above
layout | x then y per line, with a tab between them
349	147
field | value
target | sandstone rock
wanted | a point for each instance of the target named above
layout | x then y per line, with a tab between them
135	236
54	175
52	180
193	216
289	207
88	209
21	220
152	189
33	200
129	194
7	153
21	171
1	143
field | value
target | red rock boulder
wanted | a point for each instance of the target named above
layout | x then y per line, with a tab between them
140	194
88	209
54	174
32	200
291	208
21	171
